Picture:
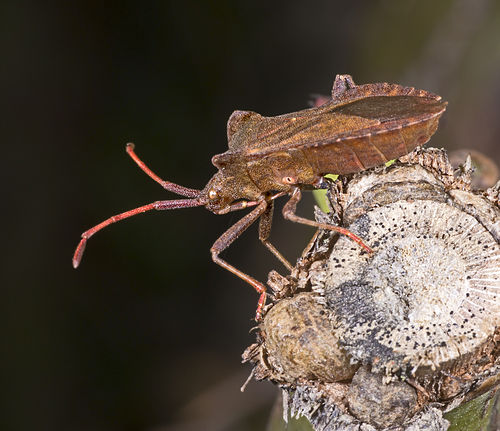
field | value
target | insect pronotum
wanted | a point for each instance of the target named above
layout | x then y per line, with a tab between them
360	127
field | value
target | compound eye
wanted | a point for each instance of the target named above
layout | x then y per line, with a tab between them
212	194
289	180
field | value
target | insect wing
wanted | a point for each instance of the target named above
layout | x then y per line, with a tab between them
361	127
358	134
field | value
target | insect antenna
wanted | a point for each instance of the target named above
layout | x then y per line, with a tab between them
158	205
167	185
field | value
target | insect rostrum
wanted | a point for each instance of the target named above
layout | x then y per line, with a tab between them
360	127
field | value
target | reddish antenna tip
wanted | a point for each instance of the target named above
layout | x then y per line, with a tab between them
130	146
77	257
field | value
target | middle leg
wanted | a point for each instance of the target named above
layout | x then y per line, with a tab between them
289	213
265	223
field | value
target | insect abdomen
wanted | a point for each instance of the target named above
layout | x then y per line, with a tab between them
357	153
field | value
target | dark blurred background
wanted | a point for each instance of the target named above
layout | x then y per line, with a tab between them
147	333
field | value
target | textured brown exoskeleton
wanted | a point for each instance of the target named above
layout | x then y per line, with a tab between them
360	127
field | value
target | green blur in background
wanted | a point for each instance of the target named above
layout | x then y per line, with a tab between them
147	333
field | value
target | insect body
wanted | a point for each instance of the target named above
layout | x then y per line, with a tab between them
358	128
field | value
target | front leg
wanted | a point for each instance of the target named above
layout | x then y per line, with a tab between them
227	238
289	213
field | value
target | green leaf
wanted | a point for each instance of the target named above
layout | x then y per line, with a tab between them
479	414
320	195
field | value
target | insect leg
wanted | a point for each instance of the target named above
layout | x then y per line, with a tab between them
167	185
265	223
227	238
289	213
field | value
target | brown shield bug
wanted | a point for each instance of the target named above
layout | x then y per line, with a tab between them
360	127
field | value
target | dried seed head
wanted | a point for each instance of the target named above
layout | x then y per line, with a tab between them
423	310
429	295
486	172
383	405
301	344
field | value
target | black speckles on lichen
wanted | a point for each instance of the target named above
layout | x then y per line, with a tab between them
362	228
434	266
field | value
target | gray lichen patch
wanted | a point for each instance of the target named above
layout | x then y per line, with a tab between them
429	293
382	186
486	212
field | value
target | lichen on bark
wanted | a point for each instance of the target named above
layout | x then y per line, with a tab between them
397	338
